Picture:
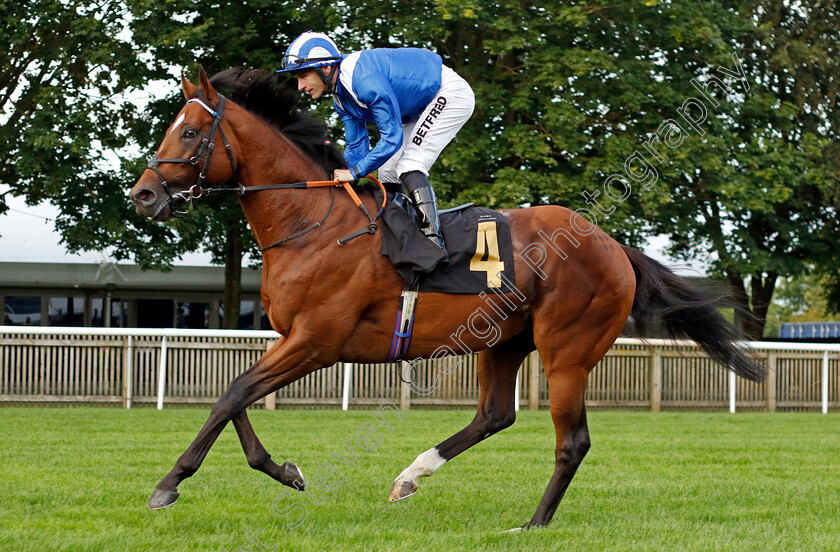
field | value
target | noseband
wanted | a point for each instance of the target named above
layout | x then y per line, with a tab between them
198	189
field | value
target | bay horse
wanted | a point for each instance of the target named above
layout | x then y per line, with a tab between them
333	303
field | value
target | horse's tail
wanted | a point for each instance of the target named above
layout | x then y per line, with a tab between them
686	312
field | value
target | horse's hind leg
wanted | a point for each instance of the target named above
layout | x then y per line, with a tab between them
568	361
568	412
497	368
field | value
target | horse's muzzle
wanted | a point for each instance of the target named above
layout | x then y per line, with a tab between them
150	203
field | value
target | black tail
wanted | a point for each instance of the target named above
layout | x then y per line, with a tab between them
686	312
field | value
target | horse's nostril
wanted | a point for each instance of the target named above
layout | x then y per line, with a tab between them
144	195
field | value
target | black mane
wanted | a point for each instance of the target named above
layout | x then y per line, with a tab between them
262	94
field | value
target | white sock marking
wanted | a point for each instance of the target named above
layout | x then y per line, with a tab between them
425	465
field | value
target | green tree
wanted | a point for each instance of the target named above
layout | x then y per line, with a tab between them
799	299
65	69
567	93
545	76
186	33
68	73
754	190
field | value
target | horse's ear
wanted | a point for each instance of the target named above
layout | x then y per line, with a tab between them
204	82
190	90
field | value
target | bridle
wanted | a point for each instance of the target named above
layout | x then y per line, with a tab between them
198	189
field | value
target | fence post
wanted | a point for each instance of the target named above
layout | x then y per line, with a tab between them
271	401
732	383
771	381
516	396
656	381
271	398
405	390
825	383
534	391
162	374
128	372
345	391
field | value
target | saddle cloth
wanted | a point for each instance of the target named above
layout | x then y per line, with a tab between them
477	240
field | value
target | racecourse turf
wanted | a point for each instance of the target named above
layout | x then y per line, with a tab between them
77	479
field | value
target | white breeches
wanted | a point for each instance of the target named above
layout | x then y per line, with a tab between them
425	138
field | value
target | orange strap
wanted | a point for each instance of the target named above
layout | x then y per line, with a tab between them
349	188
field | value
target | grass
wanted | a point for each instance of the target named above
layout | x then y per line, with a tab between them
77	479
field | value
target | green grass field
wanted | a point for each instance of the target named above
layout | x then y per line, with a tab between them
77	479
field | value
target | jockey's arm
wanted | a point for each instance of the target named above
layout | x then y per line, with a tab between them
356	138
380	98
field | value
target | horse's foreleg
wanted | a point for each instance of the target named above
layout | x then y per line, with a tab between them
258	458
281	365
497	369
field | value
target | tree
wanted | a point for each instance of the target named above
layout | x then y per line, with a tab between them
65	68
540	130
69	70
755	189
572	106
800	299
185	33
568	96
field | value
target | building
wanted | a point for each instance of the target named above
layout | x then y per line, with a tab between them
817	332
122	295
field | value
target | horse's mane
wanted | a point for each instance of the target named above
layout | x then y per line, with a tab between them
262	94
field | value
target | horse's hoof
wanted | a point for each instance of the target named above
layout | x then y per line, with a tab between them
528	526
161	499
293	477
401	490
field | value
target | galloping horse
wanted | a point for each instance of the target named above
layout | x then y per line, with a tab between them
334	303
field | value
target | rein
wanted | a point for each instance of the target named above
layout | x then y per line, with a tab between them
332	184
199	189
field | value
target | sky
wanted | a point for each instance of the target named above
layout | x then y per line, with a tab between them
27	234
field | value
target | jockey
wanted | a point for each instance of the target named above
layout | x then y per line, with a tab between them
417	103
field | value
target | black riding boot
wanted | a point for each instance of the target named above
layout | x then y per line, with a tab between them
420	191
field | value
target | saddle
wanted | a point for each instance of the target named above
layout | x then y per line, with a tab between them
477	240
480	257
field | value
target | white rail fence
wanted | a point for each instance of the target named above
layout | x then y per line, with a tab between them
132	366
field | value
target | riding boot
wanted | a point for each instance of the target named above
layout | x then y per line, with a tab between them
425	202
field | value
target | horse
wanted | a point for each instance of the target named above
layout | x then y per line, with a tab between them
336	303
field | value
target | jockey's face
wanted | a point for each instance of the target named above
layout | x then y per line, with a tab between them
310	83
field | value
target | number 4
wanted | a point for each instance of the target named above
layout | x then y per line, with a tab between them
487	242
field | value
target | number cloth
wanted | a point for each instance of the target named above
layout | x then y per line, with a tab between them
477	240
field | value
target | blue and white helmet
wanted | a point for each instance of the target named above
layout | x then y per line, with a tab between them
308	51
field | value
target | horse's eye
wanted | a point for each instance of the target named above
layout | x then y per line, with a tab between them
190	133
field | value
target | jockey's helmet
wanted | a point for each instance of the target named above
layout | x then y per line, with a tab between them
310	51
